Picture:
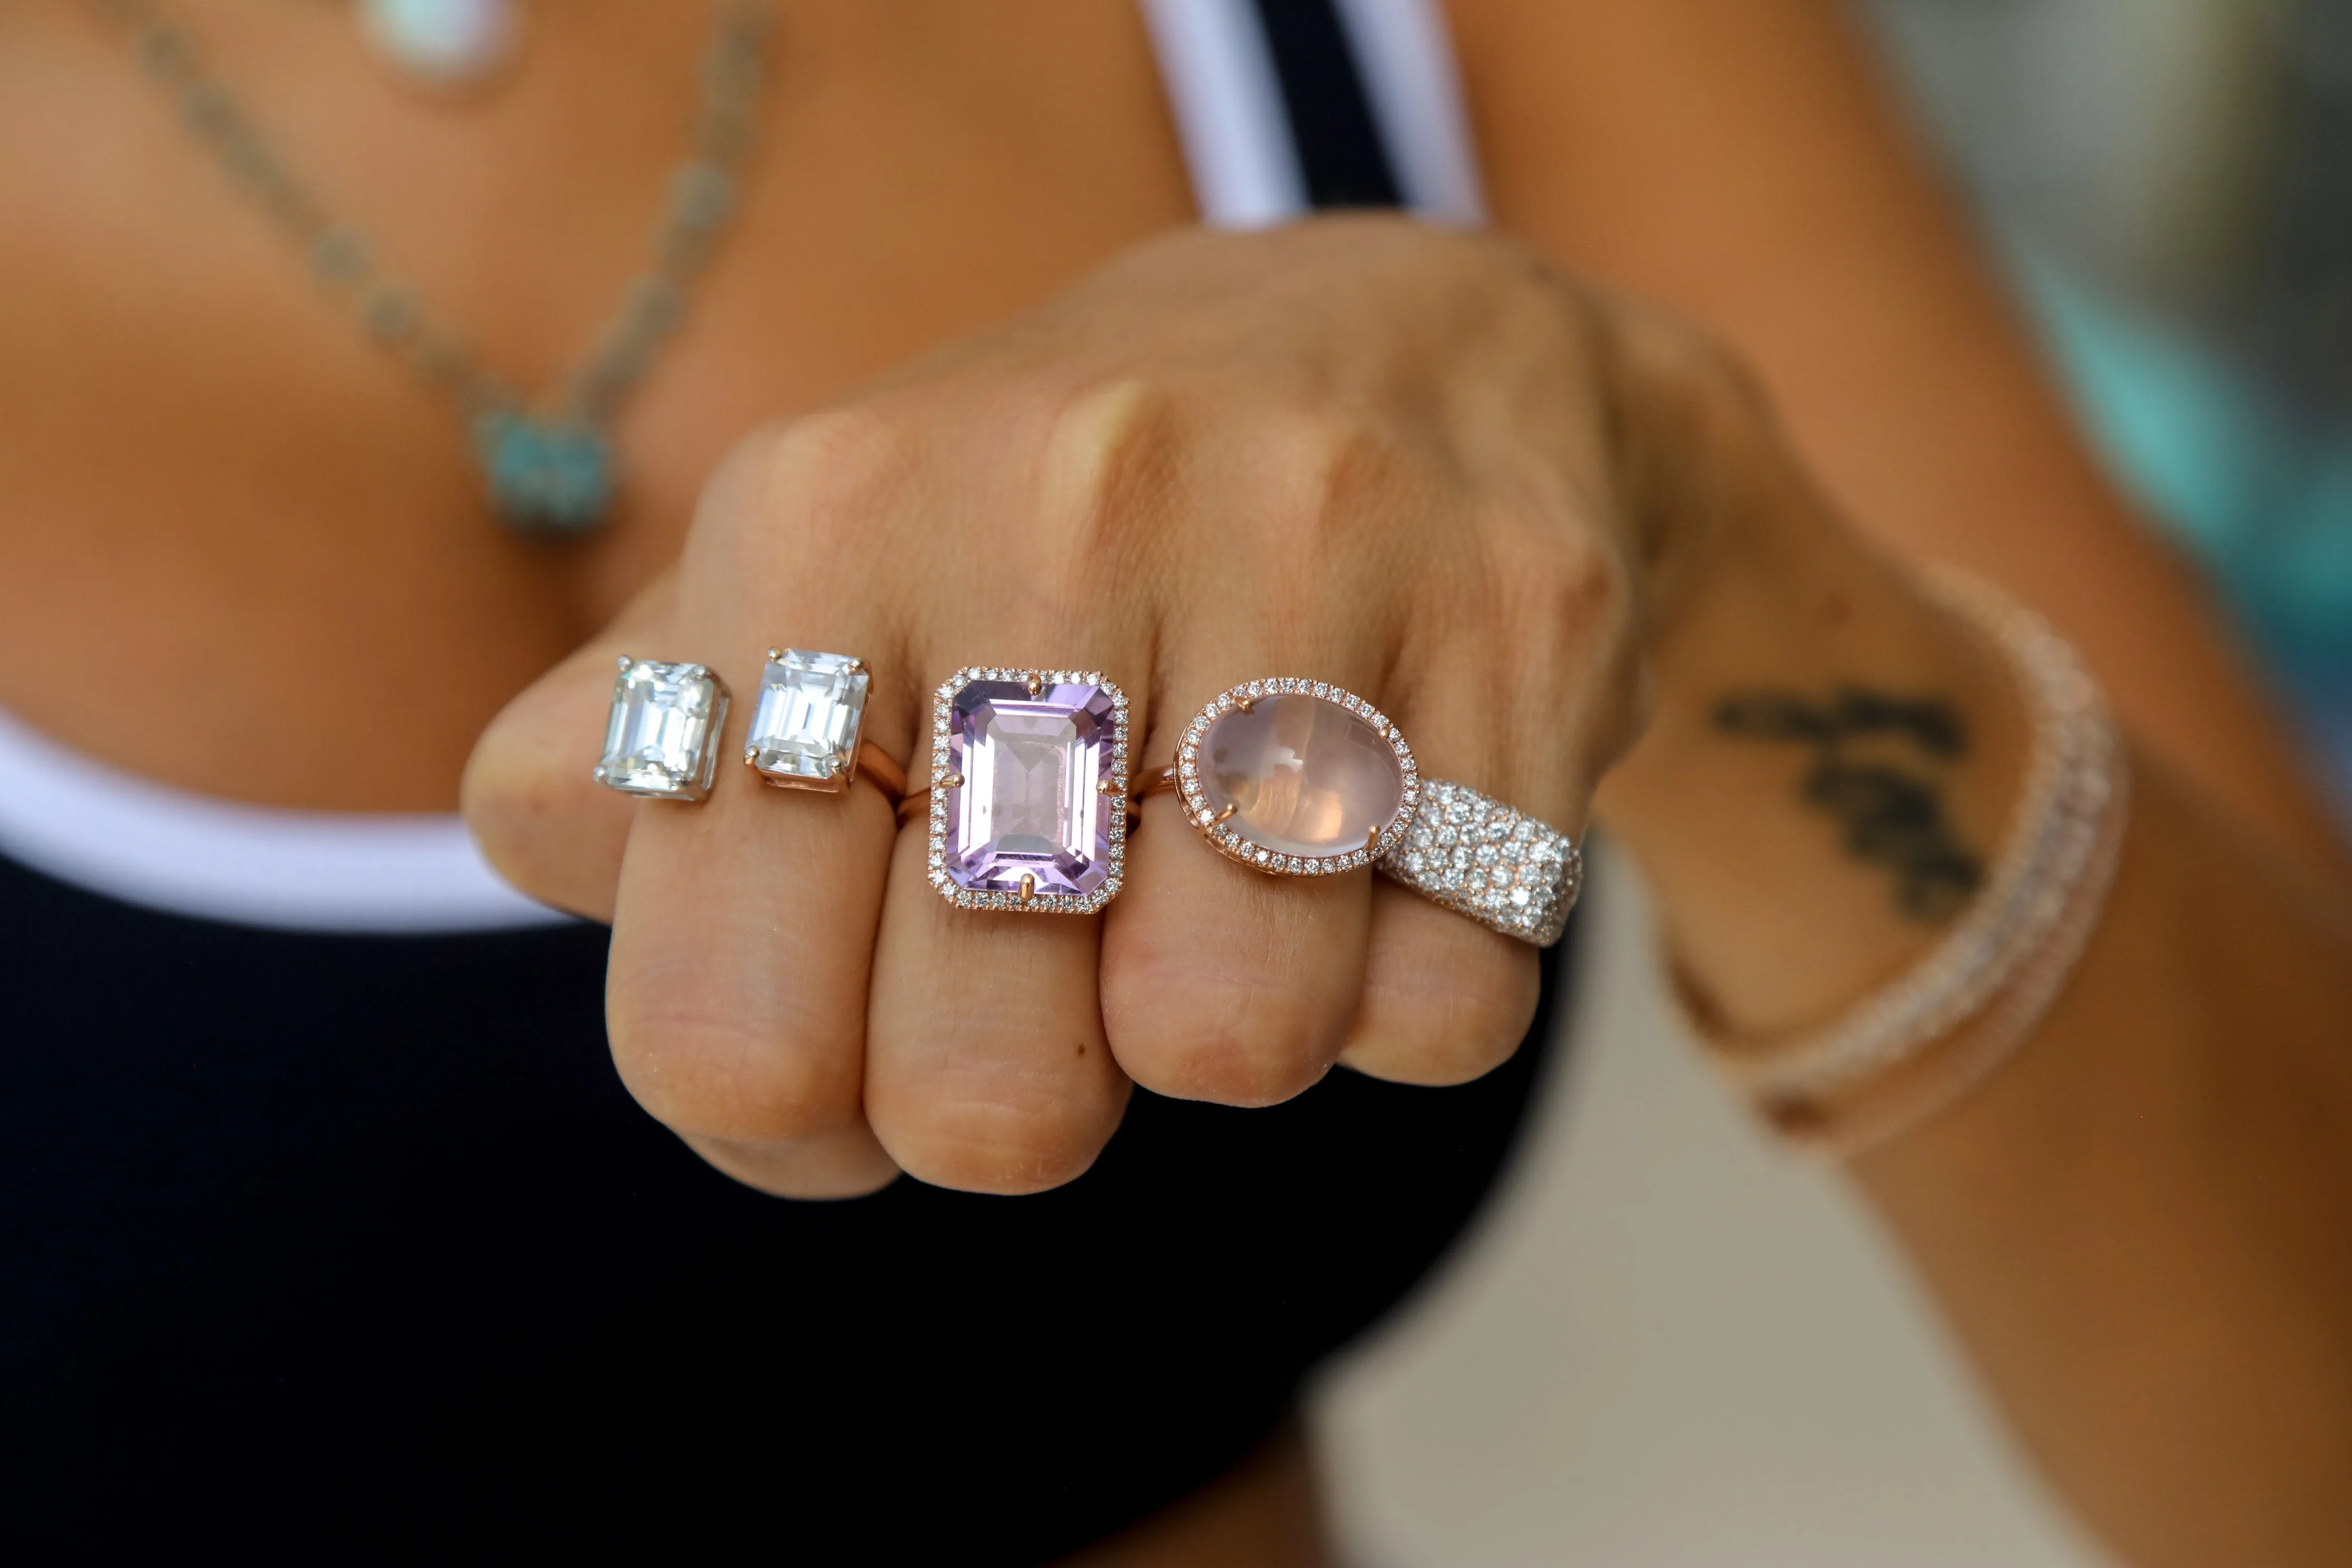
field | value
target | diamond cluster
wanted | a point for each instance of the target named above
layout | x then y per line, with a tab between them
1205	815
1094	884
1479	857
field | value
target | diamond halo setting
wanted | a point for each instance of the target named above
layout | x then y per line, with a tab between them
1297	778
1028	796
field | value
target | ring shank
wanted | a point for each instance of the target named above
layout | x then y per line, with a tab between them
874	766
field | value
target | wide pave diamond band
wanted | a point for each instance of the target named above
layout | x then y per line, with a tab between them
1479	857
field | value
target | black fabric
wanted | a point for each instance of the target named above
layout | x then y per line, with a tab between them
1340	151
354	1249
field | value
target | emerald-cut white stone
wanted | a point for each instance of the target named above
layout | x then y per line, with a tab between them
805	730
661	740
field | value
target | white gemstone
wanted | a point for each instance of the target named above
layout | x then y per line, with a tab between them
661	738
446	43
804	731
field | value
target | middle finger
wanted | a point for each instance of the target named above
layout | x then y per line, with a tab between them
986	1068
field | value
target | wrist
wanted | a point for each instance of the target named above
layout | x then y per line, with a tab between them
1829	755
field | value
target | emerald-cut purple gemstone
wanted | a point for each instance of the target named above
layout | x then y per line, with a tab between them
1033	805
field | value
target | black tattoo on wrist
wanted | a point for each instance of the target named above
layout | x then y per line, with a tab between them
1890	809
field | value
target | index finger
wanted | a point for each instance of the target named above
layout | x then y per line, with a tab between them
528	794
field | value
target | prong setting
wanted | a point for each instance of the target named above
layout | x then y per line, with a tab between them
662	738
806	728
1080	885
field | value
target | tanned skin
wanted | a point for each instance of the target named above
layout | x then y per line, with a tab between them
2137	1228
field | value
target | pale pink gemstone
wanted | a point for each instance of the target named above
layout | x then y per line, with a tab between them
1304	777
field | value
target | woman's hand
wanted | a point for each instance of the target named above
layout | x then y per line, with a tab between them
1414	463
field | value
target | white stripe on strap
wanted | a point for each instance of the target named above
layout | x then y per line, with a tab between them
1406	58
1227	102
79	821
1229	118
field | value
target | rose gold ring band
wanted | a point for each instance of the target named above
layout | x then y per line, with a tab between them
874	766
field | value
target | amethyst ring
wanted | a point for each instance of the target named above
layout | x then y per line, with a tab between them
1027	803
1302	778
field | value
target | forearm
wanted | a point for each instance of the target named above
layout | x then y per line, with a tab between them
1744	166
2137	1223
2140	1225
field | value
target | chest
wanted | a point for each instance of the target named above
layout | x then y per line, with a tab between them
217	483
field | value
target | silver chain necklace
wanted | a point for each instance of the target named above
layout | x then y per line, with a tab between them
549	461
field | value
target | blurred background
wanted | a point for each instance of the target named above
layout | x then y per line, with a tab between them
1670	1344
2166	183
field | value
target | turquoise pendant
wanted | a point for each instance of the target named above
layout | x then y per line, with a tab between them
551	477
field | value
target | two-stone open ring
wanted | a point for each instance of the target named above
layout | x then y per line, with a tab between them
662	738
1028	807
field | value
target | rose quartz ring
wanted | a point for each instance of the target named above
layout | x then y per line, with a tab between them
1300	778
1297	778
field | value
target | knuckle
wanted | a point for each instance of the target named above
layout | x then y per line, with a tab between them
1106	464
714	1078
809	493
1682	361
1683	406
993	1143
847	1166
529	804
510	796
1564	592
1230	1042
1338	475
1563	600
834	459
1441	1025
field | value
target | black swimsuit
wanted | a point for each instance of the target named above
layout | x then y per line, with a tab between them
341	1248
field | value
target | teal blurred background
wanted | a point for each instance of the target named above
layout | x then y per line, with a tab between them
2170	183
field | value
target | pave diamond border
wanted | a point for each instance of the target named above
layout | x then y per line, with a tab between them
1114	797
1231	845
697	789
1500	867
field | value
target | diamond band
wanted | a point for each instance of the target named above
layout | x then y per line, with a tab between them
661	740
1479	857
